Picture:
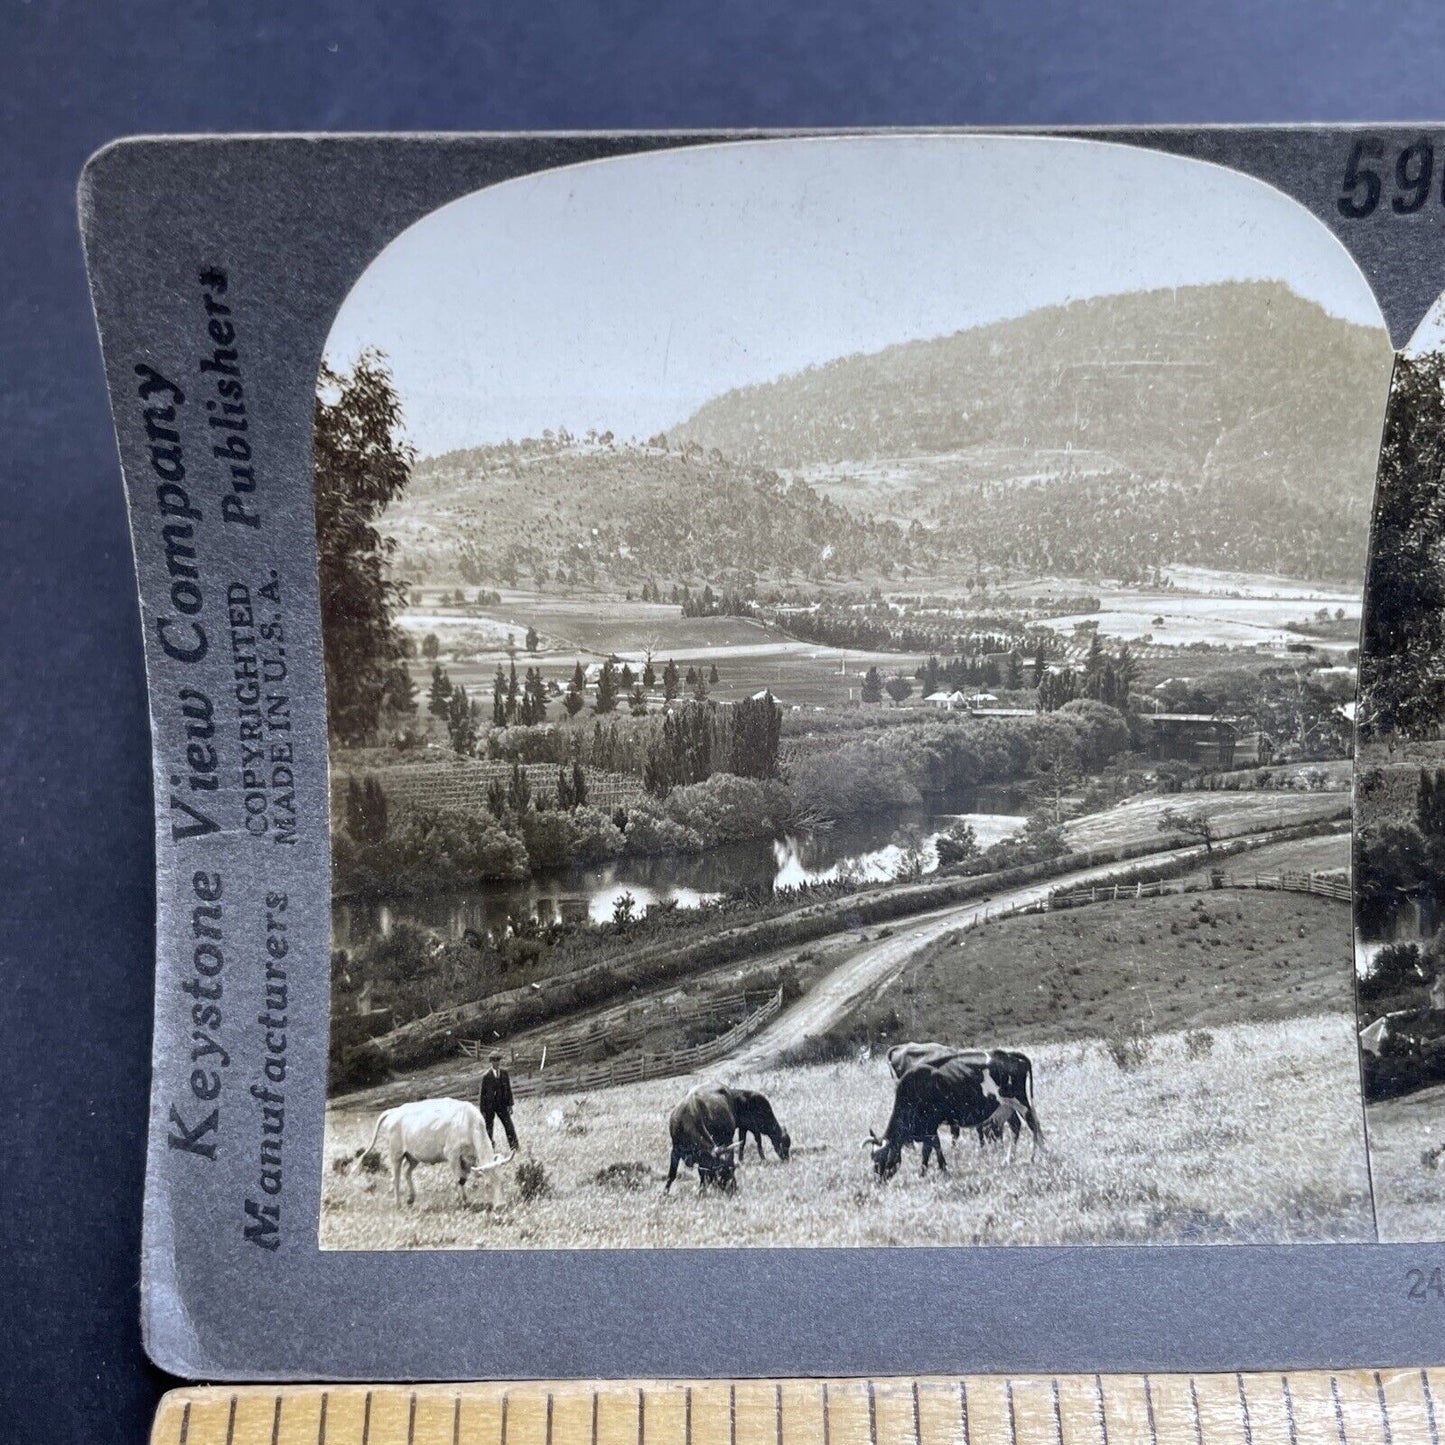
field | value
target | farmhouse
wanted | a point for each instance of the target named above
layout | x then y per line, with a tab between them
1199	738
948	701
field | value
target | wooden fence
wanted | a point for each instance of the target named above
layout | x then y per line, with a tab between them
1323	885
633	1069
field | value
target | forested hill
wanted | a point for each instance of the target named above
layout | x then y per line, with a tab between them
608	514
1231	425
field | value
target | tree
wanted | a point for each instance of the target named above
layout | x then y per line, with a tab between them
754	737
1041	663
691	678
899	689
579	677
399	694
1402	679
430	647
360	467
519	790
533	641
671	682
606	688
873	686
579	784
712	675
461	725
649	678
565	797
699	688
365	811
573	701
1056	759
637	701
1193	825
440	694
499	698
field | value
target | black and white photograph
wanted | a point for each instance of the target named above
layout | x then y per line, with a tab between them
841	661
1400	804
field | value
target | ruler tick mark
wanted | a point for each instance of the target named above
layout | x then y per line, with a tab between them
1384	1409
778	1411
1244	1410
1194	1409
231	1422
1013	1429
186	1422
457	1417
366	1420
321	1423
827	1422
504	1417
549	1419
1429	1407
410	1421
917	1427
1099	1415
1339	1408
1149	1411
732	1415
687	1416
1058	1412
1289	1408
872	1415
594	1415
276	1422
641	1418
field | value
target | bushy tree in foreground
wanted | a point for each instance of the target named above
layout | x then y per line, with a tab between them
361	466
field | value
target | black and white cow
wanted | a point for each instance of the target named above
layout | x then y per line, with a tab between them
961	1091
1011	1071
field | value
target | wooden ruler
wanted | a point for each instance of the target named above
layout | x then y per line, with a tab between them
1360	1407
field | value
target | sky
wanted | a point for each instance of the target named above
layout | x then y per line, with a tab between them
620	295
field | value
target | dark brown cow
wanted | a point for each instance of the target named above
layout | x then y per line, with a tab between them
702	1128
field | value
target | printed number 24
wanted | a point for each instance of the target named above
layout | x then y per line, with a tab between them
1423	1286
1363	184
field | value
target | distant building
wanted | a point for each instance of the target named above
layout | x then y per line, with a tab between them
1255	748
947	700
1198	738
1002	712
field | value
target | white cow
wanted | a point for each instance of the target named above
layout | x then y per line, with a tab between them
433	1131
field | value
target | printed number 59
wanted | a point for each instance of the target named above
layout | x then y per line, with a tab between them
1362	185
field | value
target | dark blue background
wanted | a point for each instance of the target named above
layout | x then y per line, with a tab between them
75	853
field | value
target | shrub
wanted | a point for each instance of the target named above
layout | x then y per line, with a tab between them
532	1181
1129	1050
1198	1044
630	1176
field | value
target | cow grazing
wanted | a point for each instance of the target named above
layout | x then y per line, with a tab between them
432	1131
702	1128
754	1116
1011	1072
959	1091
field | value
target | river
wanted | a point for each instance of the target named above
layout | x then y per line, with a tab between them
870	849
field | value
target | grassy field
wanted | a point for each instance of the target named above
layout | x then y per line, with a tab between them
1230	813
1409	1195
1252	1136
1110	970
1328	853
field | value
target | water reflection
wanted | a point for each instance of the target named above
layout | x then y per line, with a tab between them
868	851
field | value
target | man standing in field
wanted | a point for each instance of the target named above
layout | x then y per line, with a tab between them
495	1102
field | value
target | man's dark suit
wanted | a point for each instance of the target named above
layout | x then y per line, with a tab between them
495	1103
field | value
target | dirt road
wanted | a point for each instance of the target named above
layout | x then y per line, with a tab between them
833	997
